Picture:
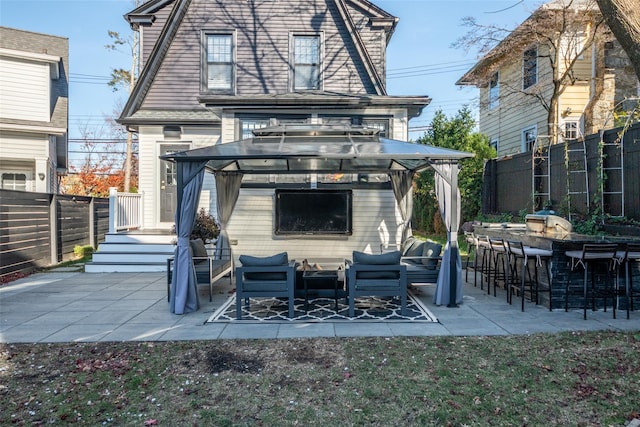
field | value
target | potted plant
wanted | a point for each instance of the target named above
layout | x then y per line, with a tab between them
205	227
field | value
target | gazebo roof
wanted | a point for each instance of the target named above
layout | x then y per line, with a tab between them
317	148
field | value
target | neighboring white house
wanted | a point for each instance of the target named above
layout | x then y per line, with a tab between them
34	94
516	78
213	71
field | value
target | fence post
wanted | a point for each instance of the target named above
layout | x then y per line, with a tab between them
113	209
92	218
53	227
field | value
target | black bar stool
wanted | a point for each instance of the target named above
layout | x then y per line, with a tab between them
482	259
627	256
517	251
498	252
589	258
472	243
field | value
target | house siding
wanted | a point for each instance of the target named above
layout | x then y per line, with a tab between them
507	121
262	38
150	141
34	106
375	222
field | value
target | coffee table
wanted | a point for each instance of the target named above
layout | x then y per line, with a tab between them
319	275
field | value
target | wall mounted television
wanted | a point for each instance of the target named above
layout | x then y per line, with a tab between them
313	212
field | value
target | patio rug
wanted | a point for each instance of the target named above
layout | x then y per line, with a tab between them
370	309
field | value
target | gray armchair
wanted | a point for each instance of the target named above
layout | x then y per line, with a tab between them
379	275
272	276
211	264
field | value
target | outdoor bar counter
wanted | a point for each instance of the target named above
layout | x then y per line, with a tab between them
559	243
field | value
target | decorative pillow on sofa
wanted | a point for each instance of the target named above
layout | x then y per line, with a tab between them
431	249
389	258
416	249
270	261
198	249
406	245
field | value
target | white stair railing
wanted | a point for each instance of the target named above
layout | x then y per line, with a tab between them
125	211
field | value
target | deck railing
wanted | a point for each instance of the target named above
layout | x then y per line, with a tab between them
125	211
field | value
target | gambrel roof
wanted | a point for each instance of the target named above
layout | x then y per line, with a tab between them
377	18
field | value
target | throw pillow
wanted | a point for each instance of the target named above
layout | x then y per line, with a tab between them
198	249
431	249
388	258
270	261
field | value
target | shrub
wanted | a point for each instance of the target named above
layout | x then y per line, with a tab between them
206	227
82	251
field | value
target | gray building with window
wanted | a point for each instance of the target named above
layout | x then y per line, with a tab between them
34	94
215	71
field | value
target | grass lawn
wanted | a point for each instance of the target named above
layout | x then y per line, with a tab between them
568	379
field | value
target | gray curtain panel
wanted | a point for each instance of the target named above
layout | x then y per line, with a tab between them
184	293
448	195
227	192
402	184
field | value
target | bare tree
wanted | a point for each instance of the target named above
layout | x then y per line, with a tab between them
623	17
121	77
562	31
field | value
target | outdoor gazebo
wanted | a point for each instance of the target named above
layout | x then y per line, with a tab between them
299	149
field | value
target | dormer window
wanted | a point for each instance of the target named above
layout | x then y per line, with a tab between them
306	62
529	68
219	73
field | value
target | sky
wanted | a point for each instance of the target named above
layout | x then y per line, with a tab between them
420	59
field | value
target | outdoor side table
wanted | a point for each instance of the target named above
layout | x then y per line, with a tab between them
323	276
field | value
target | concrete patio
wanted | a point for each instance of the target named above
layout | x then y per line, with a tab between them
67	306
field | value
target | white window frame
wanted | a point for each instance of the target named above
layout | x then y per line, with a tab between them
27	180
228	60
527	141
576	129
529	77
572	46
297	64
493	91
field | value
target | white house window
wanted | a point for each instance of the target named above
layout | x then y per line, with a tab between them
528	138
306	62
571	130
380	124
572	46
220	72
494	91
248	125
14	181
529	68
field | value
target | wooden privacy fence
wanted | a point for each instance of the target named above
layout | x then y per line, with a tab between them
40	229
508	183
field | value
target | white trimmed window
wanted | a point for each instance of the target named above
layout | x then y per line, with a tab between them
529	68
220	73
14	181
571	130
529	138
306	62
494	91
248	125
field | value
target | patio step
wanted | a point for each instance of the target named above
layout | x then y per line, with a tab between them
133	252
124	267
